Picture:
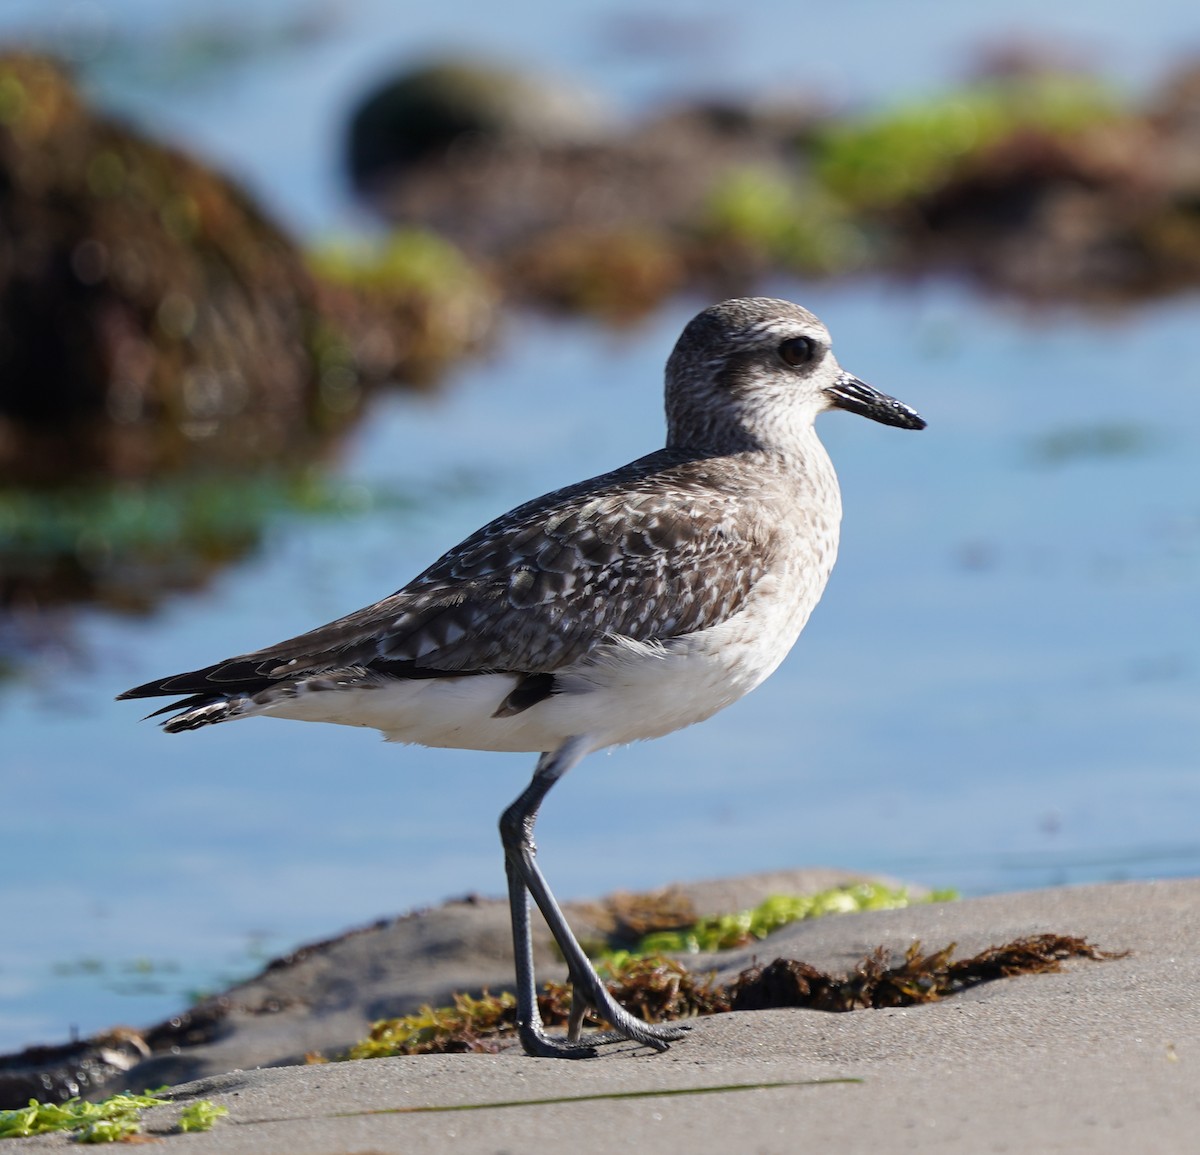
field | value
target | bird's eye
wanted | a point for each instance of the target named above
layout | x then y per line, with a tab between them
798	350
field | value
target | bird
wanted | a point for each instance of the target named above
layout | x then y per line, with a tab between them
619	608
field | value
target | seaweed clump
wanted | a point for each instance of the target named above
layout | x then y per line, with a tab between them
655	988
660	989
921	978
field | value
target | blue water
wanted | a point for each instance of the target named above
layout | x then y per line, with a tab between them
999	689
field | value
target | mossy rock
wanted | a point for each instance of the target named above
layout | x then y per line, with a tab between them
152	316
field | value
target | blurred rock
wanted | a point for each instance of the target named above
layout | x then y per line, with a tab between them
566	203
171	364
1105	215
468	107
152	317
1034	179
1174	115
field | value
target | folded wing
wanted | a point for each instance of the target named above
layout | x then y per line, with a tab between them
533	592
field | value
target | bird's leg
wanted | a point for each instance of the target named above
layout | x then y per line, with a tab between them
579	1008
524	874
583	974
516	833
529	1020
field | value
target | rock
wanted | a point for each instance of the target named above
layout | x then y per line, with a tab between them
491	157
571	209
154	319
1032	180
150	314
171	362
466	106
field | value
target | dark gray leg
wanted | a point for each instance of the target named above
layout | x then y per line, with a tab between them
529	1020
524	875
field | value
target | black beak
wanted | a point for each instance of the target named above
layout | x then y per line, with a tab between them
857	396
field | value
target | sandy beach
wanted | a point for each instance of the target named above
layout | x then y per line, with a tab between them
1104	1057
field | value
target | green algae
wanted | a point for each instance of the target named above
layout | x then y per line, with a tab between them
113	1120
830	210
117	1119
905	152
723	932
407	259
200	1116
800	226
397	308
469	1022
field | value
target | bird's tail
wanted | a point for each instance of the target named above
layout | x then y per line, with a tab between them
199	710
203	713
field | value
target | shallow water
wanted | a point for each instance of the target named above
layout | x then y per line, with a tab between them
998	691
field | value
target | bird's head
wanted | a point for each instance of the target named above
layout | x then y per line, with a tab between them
754	373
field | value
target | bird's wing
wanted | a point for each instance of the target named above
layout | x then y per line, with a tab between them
649	556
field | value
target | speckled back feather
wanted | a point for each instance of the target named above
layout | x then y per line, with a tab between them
622	550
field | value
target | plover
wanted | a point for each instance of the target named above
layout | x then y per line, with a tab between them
622	607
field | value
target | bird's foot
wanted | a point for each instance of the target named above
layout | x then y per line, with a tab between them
540	1045
656	1035
625	1027
575	1045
